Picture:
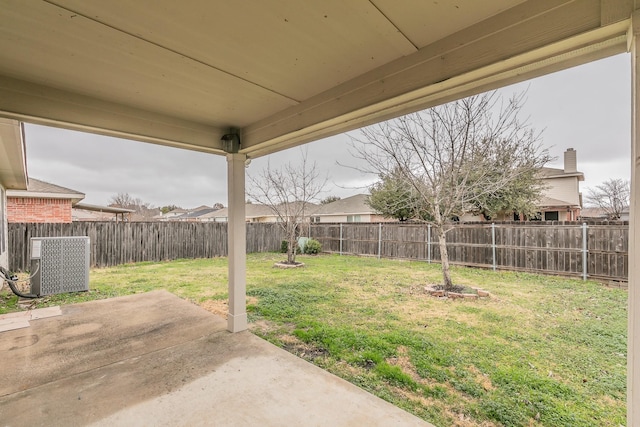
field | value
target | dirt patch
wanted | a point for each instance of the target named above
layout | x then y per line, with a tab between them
462	420
303	350
216	306
262	326
415	397
457	292
285	265
415	291
482	379
458	419
220	307
404	362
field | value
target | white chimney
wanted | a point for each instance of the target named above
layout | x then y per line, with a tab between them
570	161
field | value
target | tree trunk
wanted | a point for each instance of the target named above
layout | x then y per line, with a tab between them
444	258
291	247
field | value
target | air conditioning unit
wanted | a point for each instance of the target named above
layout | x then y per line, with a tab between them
59	265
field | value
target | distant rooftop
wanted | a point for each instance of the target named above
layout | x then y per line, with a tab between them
42	189
349	205
558	173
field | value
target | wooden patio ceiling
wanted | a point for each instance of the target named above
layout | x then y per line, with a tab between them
283	72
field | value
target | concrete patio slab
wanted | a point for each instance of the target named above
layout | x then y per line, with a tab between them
155	359
20	319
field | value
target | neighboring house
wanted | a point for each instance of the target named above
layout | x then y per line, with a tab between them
195	214
561	199
87	212
172	214
41	202
600	214
254	212
13	175
349	209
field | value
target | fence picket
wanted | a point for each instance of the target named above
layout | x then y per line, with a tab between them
551	247
121	243
546	247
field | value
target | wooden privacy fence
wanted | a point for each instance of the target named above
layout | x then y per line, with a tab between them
114	243
595	250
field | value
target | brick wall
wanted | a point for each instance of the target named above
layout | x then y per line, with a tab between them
24	209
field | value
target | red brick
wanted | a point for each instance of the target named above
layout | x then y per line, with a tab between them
20	209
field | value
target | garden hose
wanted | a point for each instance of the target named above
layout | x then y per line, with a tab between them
12	280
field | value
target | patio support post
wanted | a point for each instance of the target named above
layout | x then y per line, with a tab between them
237	242
633	334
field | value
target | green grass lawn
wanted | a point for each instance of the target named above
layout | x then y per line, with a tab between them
542	351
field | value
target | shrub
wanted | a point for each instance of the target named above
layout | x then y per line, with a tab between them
312	247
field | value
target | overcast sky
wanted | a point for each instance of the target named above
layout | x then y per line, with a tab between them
587	108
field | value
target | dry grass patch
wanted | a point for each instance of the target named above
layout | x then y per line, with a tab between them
221	307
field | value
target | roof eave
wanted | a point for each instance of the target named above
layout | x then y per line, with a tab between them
13	160
74	197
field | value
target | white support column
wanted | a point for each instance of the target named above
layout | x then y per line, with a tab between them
237	238
633	334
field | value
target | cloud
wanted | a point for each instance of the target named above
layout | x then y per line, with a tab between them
102	166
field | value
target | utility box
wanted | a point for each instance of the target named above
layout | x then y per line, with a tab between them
59	265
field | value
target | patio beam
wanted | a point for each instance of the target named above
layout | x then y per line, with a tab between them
526	41
43	105
237	242
633	334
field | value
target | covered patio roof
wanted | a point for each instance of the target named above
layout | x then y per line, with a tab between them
282	73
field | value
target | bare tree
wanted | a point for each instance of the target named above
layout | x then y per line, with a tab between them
126	201
122	200
612	196
289	192
452	157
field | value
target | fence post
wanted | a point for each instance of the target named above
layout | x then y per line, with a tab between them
585	252
429	243
340	238
379	240
493	244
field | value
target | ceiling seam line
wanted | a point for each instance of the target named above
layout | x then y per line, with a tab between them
427	59
394	25
172	51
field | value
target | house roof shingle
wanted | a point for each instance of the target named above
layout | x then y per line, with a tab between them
42	189
252	210
548	202
196	214
349	205
559	173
